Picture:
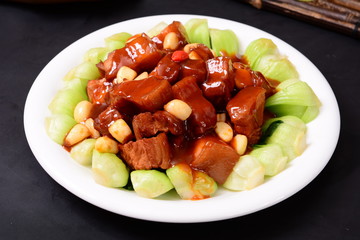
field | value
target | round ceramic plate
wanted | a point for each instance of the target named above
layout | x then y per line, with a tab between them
322	137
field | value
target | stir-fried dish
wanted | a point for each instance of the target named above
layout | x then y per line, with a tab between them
181	108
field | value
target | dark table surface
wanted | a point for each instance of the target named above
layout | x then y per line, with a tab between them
34	206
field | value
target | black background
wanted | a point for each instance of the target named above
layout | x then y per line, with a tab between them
34	206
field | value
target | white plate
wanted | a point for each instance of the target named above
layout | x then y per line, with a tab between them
322	137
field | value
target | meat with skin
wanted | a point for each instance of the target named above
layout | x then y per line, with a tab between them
167	69
219	83
149	94
98	90
147	153
107	117
175	27
203	115
140	54
214	157
246	111
148	125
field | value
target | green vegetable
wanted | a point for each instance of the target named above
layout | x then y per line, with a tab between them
294	97
276	67
263	56
150	183
224	40
85	70
116	41
258	49
156	30
95	55
57	126
271	157
83	151
247	174
66	99
289	135
191	184
108	170
198	31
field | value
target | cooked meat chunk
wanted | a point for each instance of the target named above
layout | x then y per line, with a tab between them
194	68
246	111
148	125
175	27
202	51
98	90
167	69
149	94
245	77
107	117
147	153
203	116
219	83
214	157
140	54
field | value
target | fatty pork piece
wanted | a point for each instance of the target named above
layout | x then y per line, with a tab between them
147	153
246	111
167	69
203	115
98	90
193	68
214	157
107	117
148	124
175	27
245	77
140	54
149	94
219	83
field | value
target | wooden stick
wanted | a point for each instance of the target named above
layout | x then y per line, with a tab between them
352	4
321	12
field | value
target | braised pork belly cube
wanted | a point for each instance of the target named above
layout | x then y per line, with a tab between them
147	124
140	54
193	68
147	153
180	33
107	117
149	94
219	83
245	77
203	115
214	157
98	90
198	51
167	69
246	111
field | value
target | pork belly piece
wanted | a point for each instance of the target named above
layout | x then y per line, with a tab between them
147	153
201	50
219	83
147	124
167	69
175	27
98	90
246	111
149	94
245	77
214	157
107	117
203	116
194	68
140	54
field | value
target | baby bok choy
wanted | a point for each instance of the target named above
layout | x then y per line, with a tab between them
296	98
263	56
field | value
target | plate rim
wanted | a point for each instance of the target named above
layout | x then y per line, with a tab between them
149	214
